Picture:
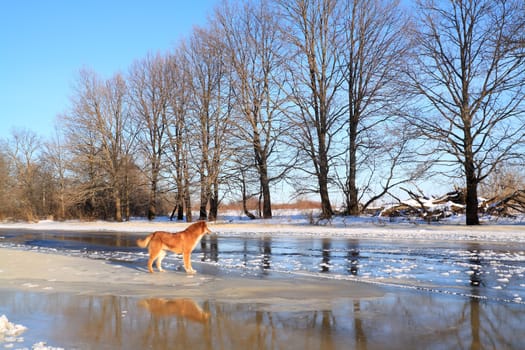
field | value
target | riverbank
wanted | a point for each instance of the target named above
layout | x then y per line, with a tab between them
296	224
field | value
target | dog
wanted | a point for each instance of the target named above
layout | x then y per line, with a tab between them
180	243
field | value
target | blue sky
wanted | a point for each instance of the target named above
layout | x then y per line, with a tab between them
44	44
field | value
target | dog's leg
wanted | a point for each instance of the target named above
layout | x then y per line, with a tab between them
150	263
187	263
154	249
160	256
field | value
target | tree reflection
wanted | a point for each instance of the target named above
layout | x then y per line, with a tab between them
266	251
210	248
352	258
475	282
475	323
326	251
103	318
398	320
475	267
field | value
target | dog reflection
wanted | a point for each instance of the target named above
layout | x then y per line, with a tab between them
185	308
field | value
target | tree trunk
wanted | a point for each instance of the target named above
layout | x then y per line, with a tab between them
152	208
265	188
213	209
187	201
471	199
267	204
352	202
203	215
62	203
180	161
214	203
471	180
261	159
180	211
127	201
118	206
204	173
326	207
245	198
127	204
187	196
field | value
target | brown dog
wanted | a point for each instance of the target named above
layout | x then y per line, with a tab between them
180	243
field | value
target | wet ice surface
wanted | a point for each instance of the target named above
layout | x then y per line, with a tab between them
483	270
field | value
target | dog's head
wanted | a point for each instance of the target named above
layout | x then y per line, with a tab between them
199	227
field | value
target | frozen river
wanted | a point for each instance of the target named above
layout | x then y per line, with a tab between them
482	270
437	294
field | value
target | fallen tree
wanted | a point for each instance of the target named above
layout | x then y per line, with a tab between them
453	203
431	209
505	206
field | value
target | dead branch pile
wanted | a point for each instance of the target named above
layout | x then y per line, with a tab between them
452	203
508	205
428	208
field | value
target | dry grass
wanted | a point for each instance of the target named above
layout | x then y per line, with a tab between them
253	205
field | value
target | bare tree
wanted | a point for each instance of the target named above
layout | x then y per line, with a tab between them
88	180
150	91
100	135
373	45
311	28
23	149
178	131
210	119
255	55
471	78
6	183
56	156
504	180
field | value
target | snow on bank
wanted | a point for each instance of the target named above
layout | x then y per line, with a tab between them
10	332
10	335
297	223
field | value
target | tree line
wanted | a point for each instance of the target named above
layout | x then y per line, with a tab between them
351	97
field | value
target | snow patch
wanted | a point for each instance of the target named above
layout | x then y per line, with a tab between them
10	332
43	346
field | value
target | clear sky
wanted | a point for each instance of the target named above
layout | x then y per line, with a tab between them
44	44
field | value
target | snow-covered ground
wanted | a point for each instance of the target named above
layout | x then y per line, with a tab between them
299	223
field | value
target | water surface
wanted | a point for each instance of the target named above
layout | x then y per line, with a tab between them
439	295
485	270
400	320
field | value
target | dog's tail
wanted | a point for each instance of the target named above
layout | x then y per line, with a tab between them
143	243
